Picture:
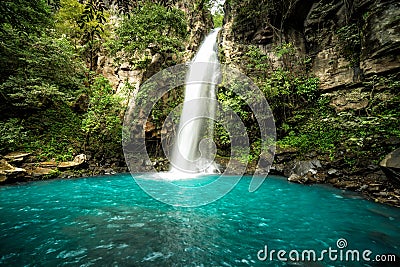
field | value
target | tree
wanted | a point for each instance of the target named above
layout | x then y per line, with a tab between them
66	20
102	124
92	23
151	27
24	17
36	71
36	66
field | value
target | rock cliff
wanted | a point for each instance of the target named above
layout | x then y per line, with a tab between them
353	48
348	41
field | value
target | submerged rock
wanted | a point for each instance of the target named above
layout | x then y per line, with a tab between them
390	165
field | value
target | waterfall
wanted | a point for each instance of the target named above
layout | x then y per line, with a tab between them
193	150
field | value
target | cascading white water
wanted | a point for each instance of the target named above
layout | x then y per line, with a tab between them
193	149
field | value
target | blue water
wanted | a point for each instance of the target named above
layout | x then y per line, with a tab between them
110	221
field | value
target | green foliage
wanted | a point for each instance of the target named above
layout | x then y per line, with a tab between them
54	133
307	88
85	25
150	27
102	123
25	17
286	88
319	128
284	49
231	101
251	15
36	69
39	74
218	19
222	136
12	134
167	106
256	59
66	20
92	21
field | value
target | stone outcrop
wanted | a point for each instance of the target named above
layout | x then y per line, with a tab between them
199	23
391	165
348	41
380	44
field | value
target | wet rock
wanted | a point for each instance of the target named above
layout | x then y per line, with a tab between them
303	167
333	181
294	178
351	185
67	175
147	163
14	155
109	171
333	172
320	177
363	187
277	169
236	167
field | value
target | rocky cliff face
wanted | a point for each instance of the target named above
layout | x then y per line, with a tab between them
352	46
348	41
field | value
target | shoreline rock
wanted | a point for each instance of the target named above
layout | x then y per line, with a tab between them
390	165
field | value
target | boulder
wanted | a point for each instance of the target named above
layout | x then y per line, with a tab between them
78	161
390	165
16	157
40	172
294	178
7	171
301	168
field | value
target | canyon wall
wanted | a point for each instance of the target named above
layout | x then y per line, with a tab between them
353	48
